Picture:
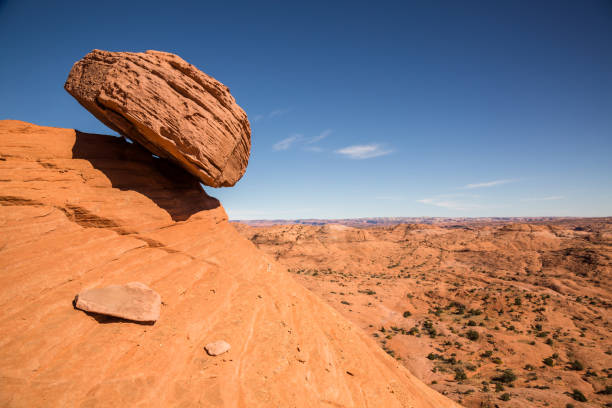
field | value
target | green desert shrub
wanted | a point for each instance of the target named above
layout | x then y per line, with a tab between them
429	329
578	396
460	374
606	391
472	335
576	365
507	376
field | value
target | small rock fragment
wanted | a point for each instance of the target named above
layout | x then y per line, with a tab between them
132	301
217	347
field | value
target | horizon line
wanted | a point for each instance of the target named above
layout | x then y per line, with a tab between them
429	217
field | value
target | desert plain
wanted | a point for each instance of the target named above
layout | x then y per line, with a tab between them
509	313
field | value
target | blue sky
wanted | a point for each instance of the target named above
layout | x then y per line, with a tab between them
364	109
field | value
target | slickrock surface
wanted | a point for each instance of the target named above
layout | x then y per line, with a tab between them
132	301
170	107
459	305
217	347
75	213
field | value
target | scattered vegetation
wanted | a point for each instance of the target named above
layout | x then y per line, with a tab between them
576	365
460	374
507	376
482	330
578	396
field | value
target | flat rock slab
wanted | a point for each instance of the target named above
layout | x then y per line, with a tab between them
168	106
132	301
217	347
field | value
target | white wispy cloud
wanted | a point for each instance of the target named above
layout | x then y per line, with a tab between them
270	115
549	198
390	198
319	137
456	195
286	143
308	143
490	183
451	204
363	151
278	112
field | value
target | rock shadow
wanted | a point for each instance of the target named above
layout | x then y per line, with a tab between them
130	166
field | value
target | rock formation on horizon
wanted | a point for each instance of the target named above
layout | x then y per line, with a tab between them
168	106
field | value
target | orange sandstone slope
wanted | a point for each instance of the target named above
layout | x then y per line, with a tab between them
80	210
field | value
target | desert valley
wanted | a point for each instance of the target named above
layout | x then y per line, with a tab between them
489	313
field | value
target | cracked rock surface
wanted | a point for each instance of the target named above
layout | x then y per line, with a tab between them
168	106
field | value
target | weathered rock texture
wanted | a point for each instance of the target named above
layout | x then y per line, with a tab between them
170	107
132	301
74	213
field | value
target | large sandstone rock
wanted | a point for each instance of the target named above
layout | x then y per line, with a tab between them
79	208
132	301
170	107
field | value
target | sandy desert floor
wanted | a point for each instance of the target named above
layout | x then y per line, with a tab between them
489	315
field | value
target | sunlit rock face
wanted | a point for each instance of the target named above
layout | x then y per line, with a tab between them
170	107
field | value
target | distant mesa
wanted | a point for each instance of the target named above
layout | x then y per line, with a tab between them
168	106
416	222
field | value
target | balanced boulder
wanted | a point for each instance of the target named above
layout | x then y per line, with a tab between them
170	107
132	301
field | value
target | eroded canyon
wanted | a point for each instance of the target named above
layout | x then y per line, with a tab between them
487	313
